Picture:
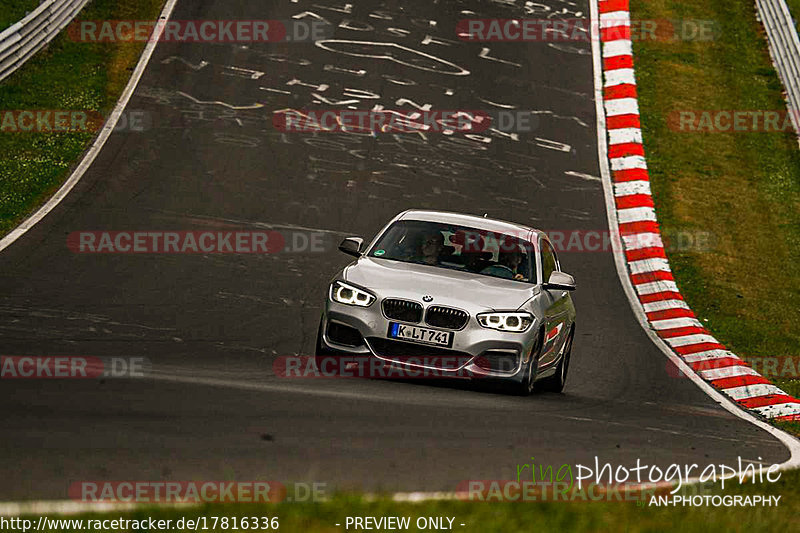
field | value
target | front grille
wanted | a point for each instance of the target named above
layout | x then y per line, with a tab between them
346	335
498	360
446	317
402	310
418	354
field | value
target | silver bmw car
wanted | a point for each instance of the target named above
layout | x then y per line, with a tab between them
461	295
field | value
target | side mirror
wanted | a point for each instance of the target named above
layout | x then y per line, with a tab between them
560	281
352	246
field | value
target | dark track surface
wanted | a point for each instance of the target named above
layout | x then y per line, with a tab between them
226	317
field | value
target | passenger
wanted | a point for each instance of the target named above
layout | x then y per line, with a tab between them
512	260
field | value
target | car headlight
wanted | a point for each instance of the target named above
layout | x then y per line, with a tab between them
516	322
347	294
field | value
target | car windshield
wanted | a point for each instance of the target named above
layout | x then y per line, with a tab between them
457	248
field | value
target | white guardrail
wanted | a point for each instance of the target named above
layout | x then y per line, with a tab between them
784	47
23	39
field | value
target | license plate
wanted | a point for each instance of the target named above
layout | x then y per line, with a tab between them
420	335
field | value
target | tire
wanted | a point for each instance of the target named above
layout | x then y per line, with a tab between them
556	382
528	383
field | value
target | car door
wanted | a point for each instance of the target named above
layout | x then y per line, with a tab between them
556	303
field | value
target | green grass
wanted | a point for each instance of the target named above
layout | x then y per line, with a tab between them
65	75
742	187
509	517
12	11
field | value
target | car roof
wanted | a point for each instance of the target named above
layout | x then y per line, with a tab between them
482	223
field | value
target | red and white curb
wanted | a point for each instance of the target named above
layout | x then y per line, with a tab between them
665	310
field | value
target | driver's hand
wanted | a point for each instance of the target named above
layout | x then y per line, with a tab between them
519	277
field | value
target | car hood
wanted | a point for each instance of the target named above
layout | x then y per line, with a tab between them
465	290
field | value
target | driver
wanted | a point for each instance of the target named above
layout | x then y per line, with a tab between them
507	265
512	260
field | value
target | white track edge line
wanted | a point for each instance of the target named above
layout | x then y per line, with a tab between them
101	139
786	439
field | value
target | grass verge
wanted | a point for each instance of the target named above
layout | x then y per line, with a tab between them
67	75
509	517
743	188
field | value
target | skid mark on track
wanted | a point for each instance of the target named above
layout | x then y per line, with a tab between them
192	66
583	176
249	223
388	51
220	103
70	316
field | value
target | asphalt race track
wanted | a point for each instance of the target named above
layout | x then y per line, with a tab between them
212	325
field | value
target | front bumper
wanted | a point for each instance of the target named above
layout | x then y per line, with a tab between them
472	354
